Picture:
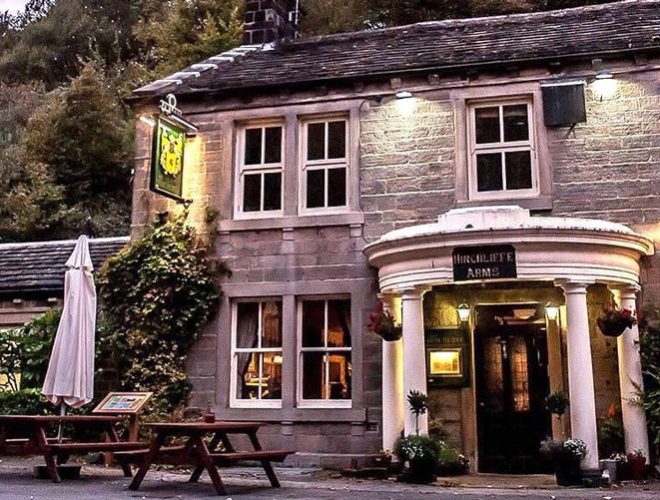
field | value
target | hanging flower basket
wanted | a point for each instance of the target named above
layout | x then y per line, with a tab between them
614	322
381	322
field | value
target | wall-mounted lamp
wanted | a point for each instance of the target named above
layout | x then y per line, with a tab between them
463	312
551	311
403	94
405	102
604	86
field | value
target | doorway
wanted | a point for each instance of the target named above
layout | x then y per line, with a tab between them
511	360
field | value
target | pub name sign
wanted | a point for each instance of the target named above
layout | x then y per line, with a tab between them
484	262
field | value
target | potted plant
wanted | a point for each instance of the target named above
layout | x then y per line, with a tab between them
557	403
419	403
622	466
384	459
565	457
614	321
637	465
421	454
381	322
451	462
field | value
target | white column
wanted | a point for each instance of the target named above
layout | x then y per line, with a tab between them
393	398
414	355
630	381
580	372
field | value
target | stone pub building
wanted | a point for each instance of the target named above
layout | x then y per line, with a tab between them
495	182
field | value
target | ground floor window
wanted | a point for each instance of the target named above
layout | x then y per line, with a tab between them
257	353
325	369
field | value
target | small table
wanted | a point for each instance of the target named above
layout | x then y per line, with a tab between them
195	452
36	427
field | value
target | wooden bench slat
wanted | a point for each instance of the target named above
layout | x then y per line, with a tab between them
100	446
237	456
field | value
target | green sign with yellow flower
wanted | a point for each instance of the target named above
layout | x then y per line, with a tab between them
167	159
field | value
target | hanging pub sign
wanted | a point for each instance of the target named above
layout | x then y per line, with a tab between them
168	149
484	262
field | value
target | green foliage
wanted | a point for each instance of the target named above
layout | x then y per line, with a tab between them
419	402
24	402
182	32
157	295
610	432
650	351
557	403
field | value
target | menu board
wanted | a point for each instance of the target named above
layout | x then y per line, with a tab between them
123	403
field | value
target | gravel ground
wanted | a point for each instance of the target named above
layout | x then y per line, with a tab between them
17	482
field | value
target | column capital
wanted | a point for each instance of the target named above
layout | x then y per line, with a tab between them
627	291
574	287
414	292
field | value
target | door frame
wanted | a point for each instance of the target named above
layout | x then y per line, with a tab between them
473	339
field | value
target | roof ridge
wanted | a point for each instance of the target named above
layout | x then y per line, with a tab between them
460	22
38	244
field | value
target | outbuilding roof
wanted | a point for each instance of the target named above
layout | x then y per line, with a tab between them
626	26
39	267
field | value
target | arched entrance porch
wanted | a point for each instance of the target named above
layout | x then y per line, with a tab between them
496	247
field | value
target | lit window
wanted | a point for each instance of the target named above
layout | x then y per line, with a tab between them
257	353
325	352
502	154
260	170
325	166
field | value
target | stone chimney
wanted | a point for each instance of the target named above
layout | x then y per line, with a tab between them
270	20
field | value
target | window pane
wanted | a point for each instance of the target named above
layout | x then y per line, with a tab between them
253	146
272	375
339	366
315	188
313	379
339	323
247	376
519	170
516	126
273	145
252	193
337	139
272	191
489	172
316	141
271	324
487	125
247	324
313	323
337	187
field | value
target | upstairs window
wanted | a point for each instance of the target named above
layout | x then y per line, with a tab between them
502	150
324	164
260	170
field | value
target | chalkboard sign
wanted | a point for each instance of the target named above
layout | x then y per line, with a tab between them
484	262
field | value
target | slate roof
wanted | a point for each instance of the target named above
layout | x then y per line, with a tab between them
442	45
39	267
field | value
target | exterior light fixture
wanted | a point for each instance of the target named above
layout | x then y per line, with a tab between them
463	312
604	86
403	94
551	311
405	102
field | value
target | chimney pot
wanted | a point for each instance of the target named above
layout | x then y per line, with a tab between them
269	21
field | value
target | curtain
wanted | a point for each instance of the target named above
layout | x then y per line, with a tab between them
246	337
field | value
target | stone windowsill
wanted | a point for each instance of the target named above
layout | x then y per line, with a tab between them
291	222
537	203
316	415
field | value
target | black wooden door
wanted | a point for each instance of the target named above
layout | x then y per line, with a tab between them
512	384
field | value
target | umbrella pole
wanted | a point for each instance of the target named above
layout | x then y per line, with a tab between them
59	427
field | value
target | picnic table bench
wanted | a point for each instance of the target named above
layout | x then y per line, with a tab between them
197	453
55	450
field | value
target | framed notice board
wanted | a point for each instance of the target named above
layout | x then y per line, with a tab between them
448	356
123	403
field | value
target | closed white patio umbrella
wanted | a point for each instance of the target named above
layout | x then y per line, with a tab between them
70	376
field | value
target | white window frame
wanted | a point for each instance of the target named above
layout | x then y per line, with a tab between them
234	400
263	168
325	164
502	148
319	403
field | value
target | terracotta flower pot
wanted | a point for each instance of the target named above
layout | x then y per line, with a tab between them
637	467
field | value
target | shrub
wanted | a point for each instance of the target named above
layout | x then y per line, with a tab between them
24	402
650	353
610	432
157	295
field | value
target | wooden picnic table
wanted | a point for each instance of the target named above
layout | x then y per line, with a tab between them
194	451
14	428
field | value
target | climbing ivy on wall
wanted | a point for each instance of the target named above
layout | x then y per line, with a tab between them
156	297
